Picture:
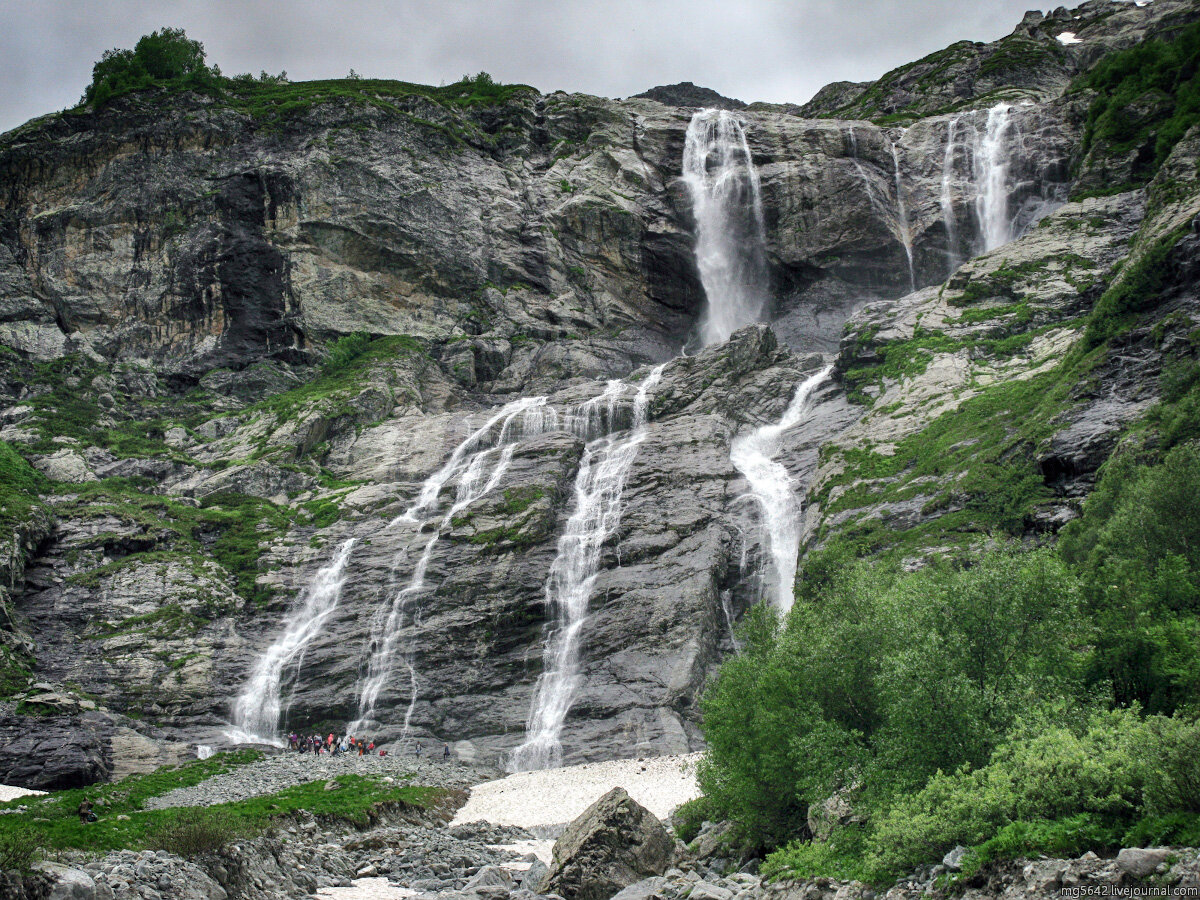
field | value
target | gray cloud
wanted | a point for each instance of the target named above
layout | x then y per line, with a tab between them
753	49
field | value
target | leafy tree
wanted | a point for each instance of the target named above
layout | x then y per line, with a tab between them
161	57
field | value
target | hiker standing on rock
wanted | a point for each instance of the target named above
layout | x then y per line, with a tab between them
446	752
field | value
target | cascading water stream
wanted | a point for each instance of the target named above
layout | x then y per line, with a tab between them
905	231
599	486
991	178
730	232
948	196
257	711
895	218
753	455
470	460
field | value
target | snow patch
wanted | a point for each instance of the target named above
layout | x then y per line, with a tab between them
1068	37
558	796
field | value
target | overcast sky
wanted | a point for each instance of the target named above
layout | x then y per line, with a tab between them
776	50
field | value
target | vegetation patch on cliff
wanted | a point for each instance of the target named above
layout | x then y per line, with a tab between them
1147	97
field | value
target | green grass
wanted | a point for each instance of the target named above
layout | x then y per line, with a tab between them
342	375
56	823
20	487
1137	289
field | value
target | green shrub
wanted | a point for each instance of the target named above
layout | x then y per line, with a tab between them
19	847
197	832
1138	288
1162	76
1137	547
162	57
1045	772
802	859
344	351
689	816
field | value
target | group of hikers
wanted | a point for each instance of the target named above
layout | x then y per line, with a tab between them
338	746
333	745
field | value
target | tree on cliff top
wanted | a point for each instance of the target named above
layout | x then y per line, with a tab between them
164	56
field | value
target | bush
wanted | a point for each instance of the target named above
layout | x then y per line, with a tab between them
344	351
18	849
1162	75
1137	547
881	681
689	816
197	832
1045	772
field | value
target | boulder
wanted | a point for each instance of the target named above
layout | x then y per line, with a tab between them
646	889
1141	863
705	891
615	843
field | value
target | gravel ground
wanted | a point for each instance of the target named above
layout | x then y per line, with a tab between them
558	796
281	771
366	889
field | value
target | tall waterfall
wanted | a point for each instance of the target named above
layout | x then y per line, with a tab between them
992	154
599	485
948	196
256	712
902	218
753	455
730	235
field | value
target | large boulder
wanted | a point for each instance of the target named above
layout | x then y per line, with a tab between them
616	842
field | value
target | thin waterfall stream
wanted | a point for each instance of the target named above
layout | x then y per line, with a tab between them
599	488
259	708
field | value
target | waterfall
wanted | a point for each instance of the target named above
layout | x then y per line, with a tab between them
730	234
948	197
257	710
478	464
753	455
905	232
599	485
991	179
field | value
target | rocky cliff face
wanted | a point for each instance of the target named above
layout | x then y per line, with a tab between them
175	271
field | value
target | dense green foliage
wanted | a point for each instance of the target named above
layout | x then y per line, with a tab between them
1147	98
1135	290
20	485
165	56
1011	700
185	830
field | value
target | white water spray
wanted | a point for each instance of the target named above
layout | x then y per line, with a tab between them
753	455
257	711
948	196
477	464
730	235
599	485
992	157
